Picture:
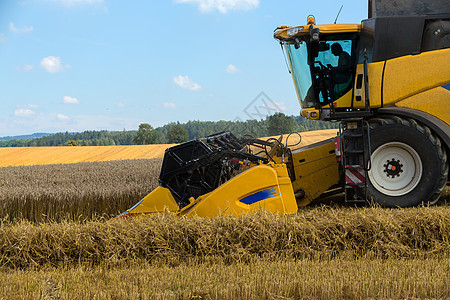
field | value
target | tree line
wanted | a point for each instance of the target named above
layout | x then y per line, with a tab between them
275	124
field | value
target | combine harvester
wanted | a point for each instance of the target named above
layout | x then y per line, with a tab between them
386	80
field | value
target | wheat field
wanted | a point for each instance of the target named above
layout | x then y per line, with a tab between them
59	240
27	156
75	191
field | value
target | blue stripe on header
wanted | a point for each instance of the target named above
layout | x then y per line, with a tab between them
134	206
447	86
256	197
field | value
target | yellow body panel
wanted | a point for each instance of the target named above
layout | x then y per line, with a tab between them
412	81
159	200
435	102
409	75
316	169
375	82
265	187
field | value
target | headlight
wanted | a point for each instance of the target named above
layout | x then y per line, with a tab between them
294	31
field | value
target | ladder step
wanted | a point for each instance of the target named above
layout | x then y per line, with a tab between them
354	167
352	120
354	151
352	135
355	201
354	185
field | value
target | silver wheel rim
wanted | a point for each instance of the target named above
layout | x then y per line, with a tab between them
396	169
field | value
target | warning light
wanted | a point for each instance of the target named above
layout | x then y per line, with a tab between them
311	20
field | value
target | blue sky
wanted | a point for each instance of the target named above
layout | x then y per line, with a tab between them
75	65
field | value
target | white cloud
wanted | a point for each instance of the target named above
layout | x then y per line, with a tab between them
70	100
53	64
62	117
25	29
223	6
186	83
232	69
2	38
24	112
71	3
121	104
25	68
170	105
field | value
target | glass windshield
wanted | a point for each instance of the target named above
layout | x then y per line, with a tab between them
334	59
301	73
328	76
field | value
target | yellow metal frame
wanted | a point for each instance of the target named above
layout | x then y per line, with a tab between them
282	34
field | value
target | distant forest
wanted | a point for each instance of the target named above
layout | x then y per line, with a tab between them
272	125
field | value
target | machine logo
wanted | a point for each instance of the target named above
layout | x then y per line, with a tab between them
261	195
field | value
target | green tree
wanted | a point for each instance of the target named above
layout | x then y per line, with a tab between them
72	143
279	123
177	134
145	135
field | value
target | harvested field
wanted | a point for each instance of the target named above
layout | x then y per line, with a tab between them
75	191
320	253
26	156
319	233
284	279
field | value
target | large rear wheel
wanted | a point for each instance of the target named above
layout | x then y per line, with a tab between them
408	163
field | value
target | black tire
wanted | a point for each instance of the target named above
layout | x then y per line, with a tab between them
389	133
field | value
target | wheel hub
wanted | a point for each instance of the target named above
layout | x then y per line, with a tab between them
393	168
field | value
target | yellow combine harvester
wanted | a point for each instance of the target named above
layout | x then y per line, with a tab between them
386	80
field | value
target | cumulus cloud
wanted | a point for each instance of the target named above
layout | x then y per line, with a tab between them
62	117
53	64
223	6
25	29
186	83
232	69
70	100
24	112
169	105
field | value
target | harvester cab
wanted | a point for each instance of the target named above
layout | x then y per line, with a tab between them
330	64
322	60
